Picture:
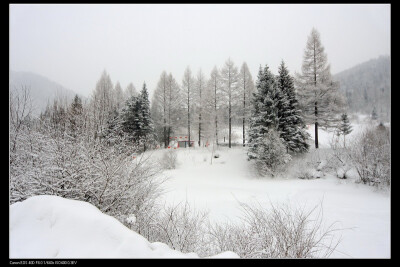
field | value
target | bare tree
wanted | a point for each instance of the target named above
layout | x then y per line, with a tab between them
319	96
199	99
130	91
118	96
20	107
229	75
247	86
102	102
213	99
188	85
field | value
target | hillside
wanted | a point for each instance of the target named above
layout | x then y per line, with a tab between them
42	90
368	86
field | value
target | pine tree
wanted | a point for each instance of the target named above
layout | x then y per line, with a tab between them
129	118
291	125
263	116
136	119
146	131
75	116
265	145
374	115
344	128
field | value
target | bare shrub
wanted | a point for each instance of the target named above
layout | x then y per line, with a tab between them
181	227
169	160
339	159
281	232
370	153
311	165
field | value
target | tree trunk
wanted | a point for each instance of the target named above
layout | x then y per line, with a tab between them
188	103
230	124
244	109
215	109
230	96
200	117
165	120
316	125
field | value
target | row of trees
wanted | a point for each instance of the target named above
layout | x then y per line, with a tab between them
201	105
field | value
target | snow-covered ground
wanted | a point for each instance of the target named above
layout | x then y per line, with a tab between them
360	210
55	227
50	227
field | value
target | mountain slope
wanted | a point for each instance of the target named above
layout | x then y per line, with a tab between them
368	86
42	90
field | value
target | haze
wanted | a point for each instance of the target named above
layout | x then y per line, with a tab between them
73	44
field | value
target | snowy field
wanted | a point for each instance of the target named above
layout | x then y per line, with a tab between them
75	229
362	212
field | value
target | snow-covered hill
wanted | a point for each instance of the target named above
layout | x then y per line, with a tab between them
55	227
42	90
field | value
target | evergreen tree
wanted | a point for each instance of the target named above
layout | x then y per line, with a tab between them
129	118
146	131
74	116
136	120
374	115
265	145
291	125
344	128
114	130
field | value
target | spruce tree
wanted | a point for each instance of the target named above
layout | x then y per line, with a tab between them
129	118
74	116
263	115
146	131
344	128
374	115
136	120
291	125
265	145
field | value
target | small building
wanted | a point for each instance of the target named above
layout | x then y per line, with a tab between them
181	140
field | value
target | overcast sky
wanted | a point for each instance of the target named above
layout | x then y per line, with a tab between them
73	44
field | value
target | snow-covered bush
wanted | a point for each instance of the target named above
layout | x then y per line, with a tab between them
371	155
169	159
339	160
269	154
47	159
312	165
281	232
181	227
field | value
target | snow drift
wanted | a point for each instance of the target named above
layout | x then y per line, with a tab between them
55	227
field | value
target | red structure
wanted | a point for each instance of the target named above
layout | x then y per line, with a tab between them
182	141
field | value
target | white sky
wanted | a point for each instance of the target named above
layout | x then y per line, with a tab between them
73	44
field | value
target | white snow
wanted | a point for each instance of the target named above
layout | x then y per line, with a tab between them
55	227
360	210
